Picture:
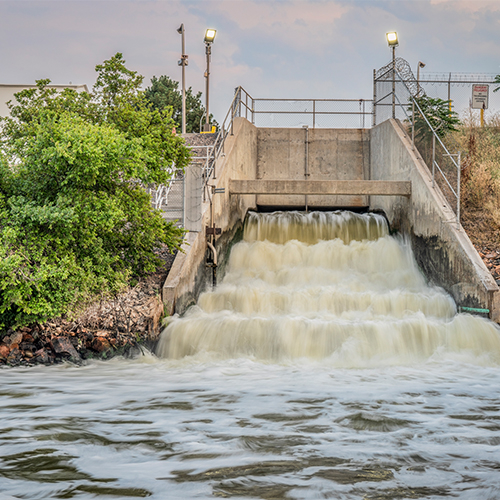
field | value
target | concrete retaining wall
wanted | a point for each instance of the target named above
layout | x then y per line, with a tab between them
189	274
324	154
442	249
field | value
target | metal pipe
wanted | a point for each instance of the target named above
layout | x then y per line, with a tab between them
214	252
214	264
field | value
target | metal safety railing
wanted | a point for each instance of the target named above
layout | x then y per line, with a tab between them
326	113
449	165
339	113
216	150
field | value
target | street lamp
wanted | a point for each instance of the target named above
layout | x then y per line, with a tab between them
392	40
209	39
183	62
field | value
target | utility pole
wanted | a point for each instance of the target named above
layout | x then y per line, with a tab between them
183	62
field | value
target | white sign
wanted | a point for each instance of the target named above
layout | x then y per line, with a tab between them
480	96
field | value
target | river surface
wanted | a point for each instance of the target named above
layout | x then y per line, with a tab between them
322	367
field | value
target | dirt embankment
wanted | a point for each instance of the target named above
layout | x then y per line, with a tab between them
485	236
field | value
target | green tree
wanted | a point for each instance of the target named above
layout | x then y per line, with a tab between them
497	80
75	221
164	93
438	113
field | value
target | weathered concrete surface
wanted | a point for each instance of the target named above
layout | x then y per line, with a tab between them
189	274
291	187
442	249
313	154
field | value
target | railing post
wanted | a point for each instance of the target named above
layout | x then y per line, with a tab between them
413	123
433	156
458	185
374	113
314	113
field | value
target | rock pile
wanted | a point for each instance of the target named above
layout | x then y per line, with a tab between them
105	329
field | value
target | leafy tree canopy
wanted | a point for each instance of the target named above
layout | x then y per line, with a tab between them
75	221
164	94
497	80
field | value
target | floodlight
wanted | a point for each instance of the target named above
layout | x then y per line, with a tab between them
392	39
210	35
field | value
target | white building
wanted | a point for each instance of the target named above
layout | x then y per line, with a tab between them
7	91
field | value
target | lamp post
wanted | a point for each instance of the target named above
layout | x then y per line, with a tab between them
209	38
392	40
183	62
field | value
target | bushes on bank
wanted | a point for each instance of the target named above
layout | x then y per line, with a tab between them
75	221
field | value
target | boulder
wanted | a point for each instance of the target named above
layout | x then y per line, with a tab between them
64	347
4	351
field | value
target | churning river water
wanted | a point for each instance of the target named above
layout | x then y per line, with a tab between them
322	366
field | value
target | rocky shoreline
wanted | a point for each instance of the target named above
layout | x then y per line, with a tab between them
113	327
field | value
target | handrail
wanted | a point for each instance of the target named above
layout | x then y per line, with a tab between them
225	130
435	136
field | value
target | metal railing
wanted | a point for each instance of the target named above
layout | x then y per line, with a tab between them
326	113
409	100
239	102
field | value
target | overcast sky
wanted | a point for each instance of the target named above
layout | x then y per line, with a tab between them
273	48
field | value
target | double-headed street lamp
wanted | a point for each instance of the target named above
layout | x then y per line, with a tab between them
392	40
209	38
183	62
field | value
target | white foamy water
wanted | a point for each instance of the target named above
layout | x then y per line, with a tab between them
330	286
338	375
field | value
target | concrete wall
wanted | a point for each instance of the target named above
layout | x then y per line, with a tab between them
326	154
189	274
442	249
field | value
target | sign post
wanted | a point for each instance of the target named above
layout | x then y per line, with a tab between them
480	95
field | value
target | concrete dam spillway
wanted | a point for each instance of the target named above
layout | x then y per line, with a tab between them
330	286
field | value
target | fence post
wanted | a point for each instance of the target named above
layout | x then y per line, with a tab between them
433	156
374	112
458	185
413	123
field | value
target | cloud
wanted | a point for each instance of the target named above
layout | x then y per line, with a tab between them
274	48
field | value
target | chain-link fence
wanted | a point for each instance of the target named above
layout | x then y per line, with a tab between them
457	88
454	87
397	94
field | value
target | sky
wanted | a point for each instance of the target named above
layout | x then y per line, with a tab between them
272	48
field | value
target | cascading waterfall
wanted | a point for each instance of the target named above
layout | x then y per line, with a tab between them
328	286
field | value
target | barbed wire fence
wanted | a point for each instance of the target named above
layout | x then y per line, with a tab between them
396	95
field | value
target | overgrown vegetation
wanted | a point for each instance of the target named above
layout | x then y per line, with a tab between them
75	221
480	181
